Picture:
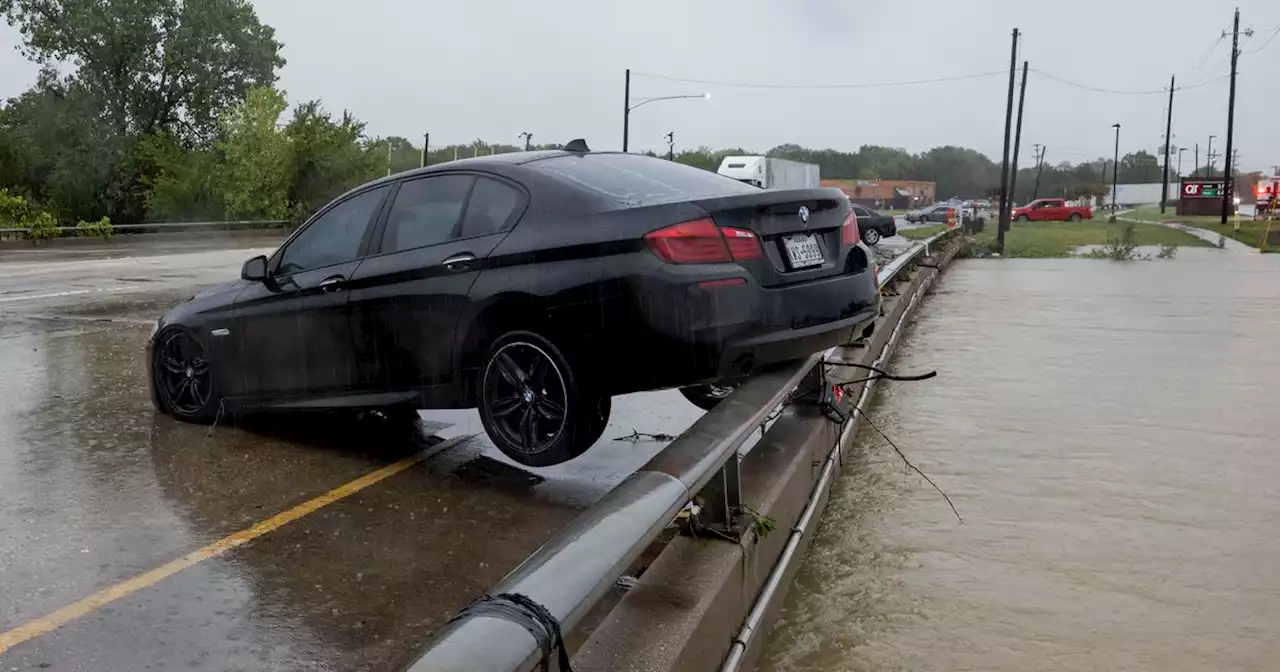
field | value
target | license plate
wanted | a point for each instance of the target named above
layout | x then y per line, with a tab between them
802	250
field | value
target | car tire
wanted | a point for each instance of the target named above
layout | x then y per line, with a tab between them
537	407
183	379
1023	218
706	396
871	237
1075	217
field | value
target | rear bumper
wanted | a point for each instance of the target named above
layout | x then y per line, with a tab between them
693	333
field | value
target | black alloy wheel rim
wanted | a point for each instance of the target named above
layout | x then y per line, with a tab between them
183	373
526	397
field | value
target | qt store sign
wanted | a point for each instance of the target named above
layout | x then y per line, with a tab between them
1202	188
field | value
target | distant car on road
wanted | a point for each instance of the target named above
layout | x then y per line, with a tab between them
1051	209
534	286
873	226
933	213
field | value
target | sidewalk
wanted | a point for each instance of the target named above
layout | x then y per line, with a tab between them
1203	234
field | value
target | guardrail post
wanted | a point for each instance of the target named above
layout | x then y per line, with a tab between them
721	499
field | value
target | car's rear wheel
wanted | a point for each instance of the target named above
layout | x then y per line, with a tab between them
537	408
707	396
183	377
872	237
1075	217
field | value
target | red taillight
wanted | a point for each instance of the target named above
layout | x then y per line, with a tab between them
743	244
849	232
702	242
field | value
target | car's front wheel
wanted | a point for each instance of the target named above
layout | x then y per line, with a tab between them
182	374
1023	218
872	237
537	408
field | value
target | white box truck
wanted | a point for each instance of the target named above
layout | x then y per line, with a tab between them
770	173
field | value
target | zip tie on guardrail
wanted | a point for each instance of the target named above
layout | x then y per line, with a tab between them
526	613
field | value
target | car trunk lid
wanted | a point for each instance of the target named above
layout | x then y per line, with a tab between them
798	228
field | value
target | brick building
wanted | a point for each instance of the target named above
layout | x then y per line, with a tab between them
887	194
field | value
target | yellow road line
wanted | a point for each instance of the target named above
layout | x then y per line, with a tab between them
88	605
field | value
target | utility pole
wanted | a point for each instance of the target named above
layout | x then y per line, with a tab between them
626	110
1228	184
1197	168
1180	151
1208	157
426	147
1017	139
1168	138
1035	193
671	146
1115	173
1003	220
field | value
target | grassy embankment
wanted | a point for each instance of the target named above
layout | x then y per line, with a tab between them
1250	234
1035	240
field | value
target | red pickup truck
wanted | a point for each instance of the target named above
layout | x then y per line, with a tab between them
1051	209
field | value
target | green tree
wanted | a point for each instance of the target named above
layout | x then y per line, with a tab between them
257	158
185	184
328	157
171	65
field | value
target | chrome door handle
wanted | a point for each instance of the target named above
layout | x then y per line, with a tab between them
459	261
332	284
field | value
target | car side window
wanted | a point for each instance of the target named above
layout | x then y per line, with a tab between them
425	212
861	211
333	237
491	208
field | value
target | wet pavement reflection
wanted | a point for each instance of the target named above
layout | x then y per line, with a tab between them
95	488
1108	431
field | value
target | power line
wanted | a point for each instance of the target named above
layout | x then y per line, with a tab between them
1097	89
860	85
1274	32
1152	92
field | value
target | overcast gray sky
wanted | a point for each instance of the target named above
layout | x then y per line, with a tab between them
463	69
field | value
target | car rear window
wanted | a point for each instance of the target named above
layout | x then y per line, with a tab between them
634	181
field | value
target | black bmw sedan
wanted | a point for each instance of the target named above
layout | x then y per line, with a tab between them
534	286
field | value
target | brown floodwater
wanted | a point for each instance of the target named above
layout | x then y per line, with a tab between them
1111	435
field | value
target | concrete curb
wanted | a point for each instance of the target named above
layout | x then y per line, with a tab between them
689	604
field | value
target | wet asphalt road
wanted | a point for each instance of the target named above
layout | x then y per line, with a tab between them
96	489
1109	433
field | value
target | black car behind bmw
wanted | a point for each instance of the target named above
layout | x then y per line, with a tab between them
534	286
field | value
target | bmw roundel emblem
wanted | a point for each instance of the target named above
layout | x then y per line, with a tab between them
804	214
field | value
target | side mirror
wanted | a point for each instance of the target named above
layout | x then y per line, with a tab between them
255	269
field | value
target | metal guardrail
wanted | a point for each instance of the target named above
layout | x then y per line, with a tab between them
571	572
217	226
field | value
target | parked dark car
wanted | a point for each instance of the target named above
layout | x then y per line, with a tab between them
533	286
873	226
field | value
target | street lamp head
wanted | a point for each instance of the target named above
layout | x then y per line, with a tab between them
707	96
1115	125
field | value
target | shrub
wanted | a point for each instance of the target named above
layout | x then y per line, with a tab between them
101	228
1167	251
42	226
1118	248
14	210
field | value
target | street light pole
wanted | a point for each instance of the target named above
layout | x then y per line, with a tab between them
627	114
1180	151
528	137
671	146
1115	173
